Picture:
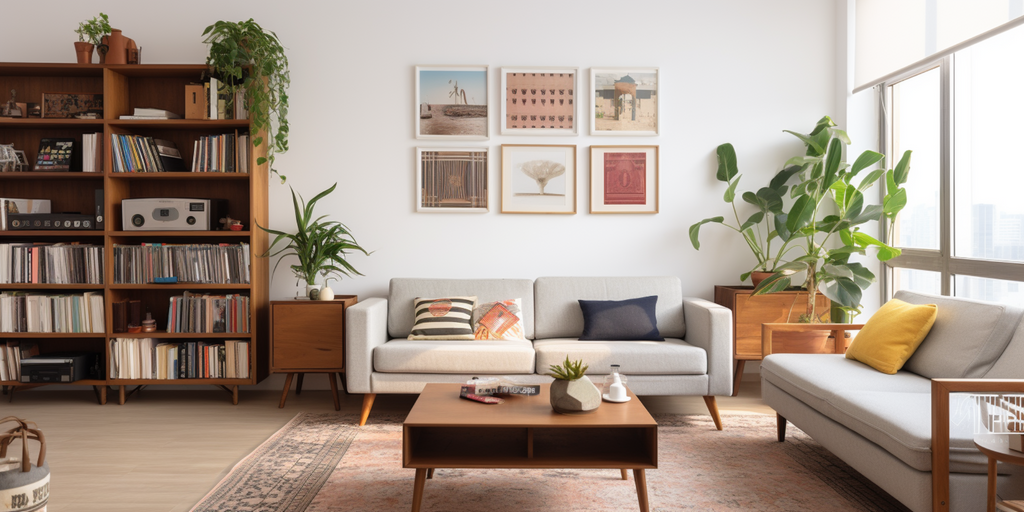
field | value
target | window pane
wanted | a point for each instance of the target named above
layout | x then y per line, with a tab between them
989	172
915	126
922	281
995	290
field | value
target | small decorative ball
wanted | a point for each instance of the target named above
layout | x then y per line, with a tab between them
314	294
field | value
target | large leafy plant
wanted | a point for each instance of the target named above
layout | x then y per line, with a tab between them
757	230
829	206
243	55
93	30
320	246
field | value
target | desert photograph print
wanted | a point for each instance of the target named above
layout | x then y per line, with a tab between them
625	101
451	102
538	178
451	180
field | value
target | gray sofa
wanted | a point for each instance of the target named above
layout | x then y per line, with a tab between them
882	424
694	359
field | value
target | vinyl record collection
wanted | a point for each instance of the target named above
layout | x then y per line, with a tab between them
174	263
51	263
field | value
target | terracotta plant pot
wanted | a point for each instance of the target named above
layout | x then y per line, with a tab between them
757	277
83	51
574	396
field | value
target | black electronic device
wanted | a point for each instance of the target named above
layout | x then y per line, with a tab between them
99	208
57	368
42	221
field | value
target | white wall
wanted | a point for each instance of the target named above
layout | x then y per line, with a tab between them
735	71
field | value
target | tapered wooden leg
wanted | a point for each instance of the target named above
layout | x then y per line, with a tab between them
417	489
780	424
738	376
991	484
625	474
341	377
334	390
713	409
430	473
367	405
641	489
103	395
298	384
120	394
234	395
284	394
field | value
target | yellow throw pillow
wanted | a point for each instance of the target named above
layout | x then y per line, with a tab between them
892	335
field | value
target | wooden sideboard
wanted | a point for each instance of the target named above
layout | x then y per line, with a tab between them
748	313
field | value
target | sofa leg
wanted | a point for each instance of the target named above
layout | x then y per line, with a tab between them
713	409
780	424
367	405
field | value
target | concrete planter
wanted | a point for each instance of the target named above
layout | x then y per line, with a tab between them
574	396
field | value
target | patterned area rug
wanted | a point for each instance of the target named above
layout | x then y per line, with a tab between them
699	468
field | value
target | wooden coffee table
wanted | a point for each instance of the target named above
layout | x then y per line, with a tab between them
445	431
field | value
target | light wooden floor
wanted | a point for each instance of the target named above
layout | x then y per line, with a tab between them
164	450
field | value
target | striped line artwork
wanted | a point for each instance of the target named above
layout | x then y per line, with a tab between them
454	179
443	318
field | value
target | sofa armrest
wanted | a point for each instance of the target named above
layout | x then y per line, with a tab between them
709	326
838	333
941	388
366	327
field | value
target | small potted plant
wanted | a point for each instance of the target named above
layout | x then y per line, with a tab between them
90	33
572	392
321	246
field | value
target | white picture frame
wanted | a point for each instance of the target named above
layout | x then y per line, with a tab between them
452	180
528	184
634	172
640	112
541	93
438	89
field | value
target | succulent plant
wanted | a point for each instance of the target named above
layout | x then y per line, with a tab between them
568	370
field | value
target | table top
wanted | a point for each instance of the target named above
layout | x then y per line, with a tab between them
997	446
439	405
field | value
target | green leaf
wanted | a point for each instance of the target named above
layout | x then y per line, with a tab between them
902	171
834	158
752	221
870	179
894	203
841	135
809	141
861	275
871	212
727	167
730	193
744	276
837	270
854	203
820	141
844	291
776	282
695	230
865	160
801	161
800	214
823	123
779	181
751	198
780	227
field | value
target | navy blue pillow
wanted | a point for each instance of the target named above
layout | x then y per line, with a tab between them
631	319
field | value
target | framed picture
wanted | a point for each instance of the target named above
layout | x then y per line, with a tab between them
625	101
451	180
451	103
69	105
623	179
538	179
539	101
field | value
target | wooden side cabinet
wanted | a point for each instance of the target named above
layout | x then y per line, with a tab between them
749	312
308	336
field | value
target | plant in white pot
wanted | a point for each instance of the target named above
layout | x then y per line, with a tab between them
321	246
572	392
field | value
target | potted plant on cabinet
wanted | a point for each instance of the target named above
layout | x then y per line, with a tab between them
826	184
90	33
243	55
572	392
321	246
757	229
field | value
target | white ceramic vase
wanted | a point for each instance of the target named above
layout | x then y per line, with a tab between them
326	293
574	396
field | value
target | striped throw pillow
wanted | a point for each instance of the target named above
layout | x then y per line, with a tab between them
446	318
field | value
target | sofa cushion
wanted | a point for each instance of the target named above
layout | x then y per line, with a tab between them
404	290
967	338
892	335
558	310
630	319
484	357
499	320
1009	364
892	411
442	318
670	357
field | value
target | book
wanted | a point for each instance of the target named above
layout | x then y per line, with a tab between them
155	112
54	154
170	157
211	92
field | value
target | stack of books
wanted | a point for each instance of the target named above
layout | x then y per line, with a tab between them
152	114
221	153
150	358
37	312
51	263
181	263
11	354
92	152
208	313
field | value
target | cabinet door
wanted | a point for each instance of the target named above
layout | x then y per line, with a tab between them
308	336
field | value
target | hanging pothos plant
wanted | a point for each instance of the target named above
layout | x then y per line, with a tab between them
243	55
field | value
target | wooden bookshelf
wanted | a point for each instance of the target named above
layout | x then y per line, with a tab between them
124	88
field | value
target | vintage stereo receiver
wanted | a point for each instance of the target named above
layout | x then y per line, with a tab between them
40	221
171	213
51	368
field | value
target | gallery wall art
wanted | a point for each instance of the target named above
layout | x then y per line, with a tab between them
624	101
539	101
538	178
451	180
451	103
623	179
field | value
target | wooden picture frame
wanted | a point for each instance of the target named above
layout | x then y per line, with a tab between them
625	101
66	105
549	96
538	178
623	179
452	180
449	110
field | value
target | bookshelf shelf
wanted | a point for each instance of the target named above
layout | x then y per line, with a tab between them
125	88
